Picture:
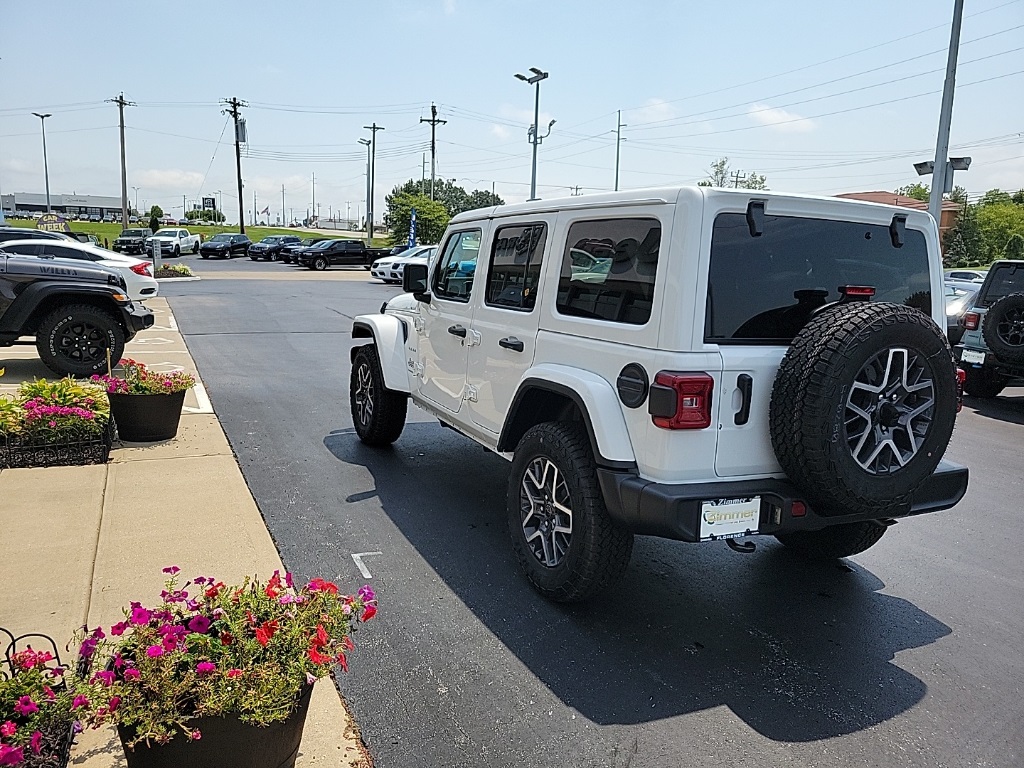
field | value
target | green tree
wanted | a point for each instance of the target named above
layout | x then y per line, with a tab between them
1018	197
454	198
156	210
720	175
1014	248
958	195
995	197
431	217
154	217
965	245
917	191
998	222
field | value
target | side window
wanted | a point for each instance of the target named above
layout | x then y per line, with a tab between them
608	270
24	249
515	266
60	252
453	278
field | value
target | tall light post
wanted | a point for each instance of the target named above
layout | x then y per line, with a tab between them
46	168
373	175
137	211
534	133
942	174
369	231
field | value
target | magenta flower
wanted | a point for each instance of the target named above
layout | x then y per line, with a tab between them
234	673
8	729
199	624
172	569
132	674
140	616
36	742
196	735
106	677
115	702
119	628
79	701
25	706
289	581
205	668
11	755
366	593
155	650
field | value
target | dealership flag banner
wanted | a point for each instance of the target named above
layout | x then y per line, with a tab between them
412	229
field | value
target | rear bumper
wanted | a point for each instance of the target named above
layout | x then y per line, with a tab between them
136	318
674	511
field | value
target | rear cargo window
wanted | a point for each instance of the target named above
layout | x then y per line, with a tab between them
1003	280
764	289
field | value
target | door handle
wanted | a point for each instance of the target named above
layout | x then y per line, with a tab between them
457	330
745	385
511	342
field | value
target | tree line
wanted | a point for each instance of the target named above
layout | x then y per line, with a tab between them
432	215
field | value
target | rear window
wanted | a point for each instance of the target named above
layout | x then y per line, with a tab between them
1003	280
764	289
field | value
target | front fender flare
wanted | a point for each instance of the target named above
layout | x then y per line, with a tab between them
597	401
389	334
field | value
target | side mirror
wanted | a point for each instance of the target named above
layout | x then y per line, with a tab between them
414	281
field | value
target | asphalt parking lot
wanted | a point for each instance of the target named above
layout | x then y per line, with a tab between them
906	655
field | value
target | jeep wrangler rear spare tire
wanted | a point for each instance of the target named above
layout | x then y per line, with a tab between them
1003	329
378	414
74	340
983	382
561	532
863	407
834	542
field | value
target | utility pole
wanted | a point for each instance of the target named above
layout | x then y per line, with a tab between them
46	165
619	125
254	214
737	177
369	235
282	205
434	122
373	172
121	104
312	209
183	204
348	214
423	173
233	106
941	172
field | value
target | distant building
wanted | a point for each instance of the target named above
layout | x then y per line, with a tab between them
947	218
74	204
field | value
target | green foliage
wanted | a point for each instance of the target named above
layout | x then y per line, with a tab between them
44	412
998	222
35	709
431	217
154	223
208	649
995	197
157	211
1018	197
1014	248
917	191
207	215
454	198
720	175
958	195
137	379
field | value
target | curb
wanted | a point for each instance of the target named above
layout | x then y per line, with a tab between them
178	279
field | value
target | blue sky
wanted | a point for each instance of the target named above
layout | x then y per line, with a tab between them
819	98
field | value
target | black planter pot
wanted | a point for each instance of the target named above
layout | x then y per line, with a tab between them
146	418
226	742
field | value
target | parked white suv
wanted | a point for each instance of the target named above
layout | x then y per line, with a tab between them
697	364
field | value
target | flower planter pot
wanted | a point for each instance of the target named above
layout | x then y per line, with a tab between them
226	742
146	418
18	453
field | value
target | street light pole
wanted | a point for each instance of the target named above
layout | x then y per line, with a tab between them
619	125
369	232
46	167
534	133
137	211
373	173
940	168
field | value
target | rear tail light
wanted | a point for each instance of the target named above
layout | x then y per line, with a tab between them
142	268
798	509
681	400
856	292
971	321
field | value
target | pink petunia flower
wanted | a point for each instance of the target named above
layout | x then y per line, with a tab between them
234	673
155	650
140	616
133	674
119	628
79	701
11	755
36	742
205	668
8	728
196	735
115	702
25	706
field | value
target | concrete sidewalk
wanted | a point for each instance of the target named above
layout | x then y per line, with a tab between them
79	543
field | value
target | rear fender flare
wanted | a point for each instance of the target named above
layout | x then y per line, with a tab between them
388	334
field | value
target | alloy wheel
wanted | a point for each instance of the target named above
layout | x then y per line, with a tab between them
364	394
547	511
1010	328
82	342
889	410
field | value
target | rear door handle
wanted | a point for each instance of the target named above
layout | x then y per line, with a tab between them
457	330
511	342
745	385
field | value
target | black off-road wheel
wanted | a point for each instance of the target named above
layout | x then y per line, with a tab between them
834	542
1003	329
567	544
378	413
863	407
983	382
74	340
195	248
176	252
320	263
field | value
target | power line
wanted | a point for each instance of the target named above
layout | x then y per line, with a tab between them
434	121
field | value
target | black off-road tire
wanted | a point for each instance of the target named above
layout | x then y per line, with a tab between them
73	340
1003	329
834	542
382	422
983	382
598	550
195	248
816	434
176	252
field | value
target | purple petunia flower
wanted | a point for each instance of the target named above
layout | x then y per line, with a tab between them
25	706
140	616
199	624
155	650
205	668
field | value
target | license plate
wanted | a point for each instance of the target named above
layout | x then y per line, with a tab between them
970	356
729	518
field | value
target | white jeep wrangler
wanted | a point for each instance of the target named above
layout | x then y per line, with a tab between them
692	363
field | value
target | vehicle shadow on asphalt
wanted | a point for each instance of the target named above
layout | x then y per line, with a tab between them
1008	407
800	651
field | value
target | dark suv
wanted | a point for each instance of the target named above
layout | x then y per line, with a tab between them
269	248
331	252
991	352
76	311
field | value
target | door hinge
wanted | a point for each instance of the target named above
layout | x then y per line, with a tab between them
418	324
474	338
472	394
415	368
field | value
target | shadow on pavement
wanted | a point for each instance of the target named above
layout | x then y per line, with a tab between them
799	651
1008	407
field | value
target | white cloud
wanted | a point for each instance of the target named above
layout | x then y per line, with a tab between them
653	111
502	132
780	119
169	178
449	7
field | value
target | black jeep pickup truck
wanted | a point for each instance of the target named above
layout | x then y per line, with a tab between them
132	241
75	311
330	252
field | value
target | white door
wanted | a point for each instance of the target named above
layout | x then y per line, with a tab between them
504	331
445	335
